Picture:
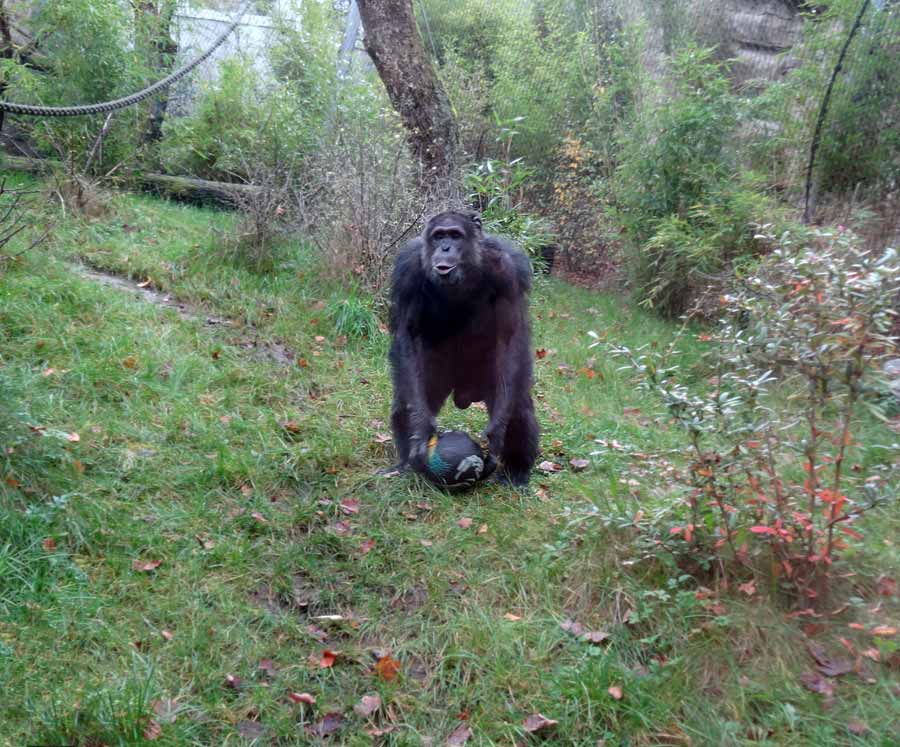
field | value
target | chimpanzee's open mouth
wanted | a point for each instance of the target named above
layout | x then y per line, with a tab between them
444	269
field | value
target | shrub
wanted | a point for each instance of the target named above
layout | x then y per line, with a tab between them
497	188
770	487
529	63
685	213
366	205
87	41
582	226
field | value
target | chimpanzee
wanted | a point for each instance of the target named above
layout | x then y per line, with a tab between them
459	323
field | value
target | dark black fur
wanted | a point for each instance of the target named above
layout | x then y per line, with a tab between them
463	331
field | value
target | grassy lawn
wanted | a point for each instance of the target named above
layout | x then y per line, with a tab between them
188	521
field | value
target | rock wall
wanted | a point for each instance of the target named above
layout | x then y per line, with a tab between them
759	32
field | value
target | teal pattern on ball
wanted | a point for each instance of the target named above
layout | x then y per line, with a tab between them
436	464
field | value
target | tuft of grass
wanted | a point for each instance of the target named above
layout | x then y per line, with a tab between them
251	481
353	317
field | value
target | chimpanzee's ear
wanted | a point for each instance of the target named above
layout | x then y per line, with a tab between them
475	217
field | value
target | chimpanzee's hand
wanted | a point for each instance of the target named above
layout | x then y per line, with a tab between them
418	443
496	435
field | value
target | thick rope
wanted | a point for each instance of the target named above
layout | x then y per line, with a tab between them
32	110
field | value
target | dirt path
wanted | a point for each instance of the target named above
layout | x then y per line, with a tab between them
249	341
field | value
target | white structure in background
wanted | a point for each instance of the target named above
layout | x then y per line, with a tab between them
197	24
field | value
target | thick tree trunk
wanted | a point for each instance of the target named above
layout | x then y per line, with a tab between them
153	32
393	42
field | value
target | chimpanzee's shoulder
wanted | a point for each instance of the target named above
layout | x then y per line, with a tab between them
507	260
407	267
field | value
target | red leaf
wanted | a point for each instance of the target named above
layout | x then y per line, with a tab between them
760	529
327	659
464	523
748	588
537	722
350	506
302	698
615	691
49	544
152	731
540	353
884	631
849	532
232	682
366	547
886	586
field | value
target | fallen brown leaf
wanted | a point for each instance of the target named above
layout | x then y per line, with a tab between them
250	729
166	710
301	698
145	566
570	626
537	722
367	706
328	725
459	736
817	684
550	467
387	668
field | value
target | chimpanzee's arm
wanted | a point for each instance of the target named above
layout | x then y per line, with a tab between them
513	364
412	422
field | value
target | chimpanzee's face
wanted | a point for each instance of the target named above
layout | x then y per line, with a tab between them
451	248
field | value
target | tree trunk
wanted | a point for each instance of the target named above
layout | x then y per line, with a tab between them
393	42
153	38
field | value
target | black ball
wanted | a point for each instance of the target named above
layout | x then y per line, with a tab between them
455	460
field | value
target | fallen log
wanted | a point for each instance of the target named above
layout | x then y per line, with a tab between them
222	194
182	188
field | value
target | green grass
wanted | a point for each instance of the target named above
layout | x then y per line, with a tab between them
183	457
